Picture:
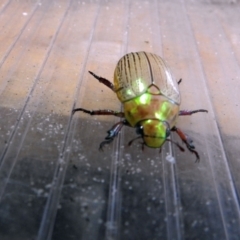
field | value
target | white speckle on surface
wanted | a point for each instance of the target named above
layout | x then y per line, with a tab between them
39	192
170	158
138	170
208	202
206	229
48	186
100	221
24	13
194	223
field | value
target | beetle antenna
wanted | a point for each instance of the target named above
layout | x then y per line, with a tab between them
177	144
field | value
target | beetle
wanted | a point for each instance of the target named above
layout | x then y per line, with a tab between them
151	101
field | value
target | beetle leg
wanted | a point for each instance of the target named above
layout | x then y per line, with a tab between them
99	112
112	133
177	144
130	142
103	81
186	112
180	80
187	140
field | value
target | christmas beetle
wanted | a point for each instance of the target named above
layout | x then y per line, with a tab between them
151	100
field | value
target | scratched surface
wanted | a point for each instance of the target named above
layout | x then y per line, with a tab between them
54	183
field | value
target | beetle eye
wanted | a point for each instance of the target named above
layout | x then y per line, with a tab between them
139	130
168	130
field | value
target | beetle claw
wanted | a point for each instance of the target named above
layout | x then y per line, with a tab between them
190	148
197	159
130	142
107	141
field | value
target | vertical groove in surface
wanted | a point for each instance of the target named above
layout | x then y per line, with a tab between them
18	35
3	85
172	203
8	51
224	212
4	7
113	226
24	107
171	189
50	211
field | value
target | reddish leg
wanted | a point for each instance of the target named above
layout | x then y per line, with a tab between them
103	81
187	140
99	112
186	112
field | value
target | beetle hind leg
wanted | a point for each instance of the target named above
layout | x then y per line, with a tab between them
186	112
188	141
103	81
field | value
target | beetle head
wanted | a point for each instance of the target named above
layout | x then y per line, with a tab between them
154	132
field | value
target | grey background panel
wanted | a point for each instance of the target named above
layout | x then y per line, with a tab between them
54	183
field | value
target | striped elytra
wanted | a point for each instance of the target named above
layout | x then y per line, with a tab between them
136	72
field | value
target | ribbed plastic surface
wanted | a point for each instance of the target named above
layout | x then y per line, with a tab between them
54	183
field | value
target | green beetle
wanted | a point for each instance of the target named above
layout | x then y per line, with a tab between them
151	100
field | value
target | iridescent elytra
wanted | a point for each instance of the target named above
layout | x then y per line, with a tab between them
151	101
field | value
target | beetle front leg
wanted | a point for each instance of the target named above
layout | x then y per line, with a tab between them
187	140
186	112
112	133
99	112
103	81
